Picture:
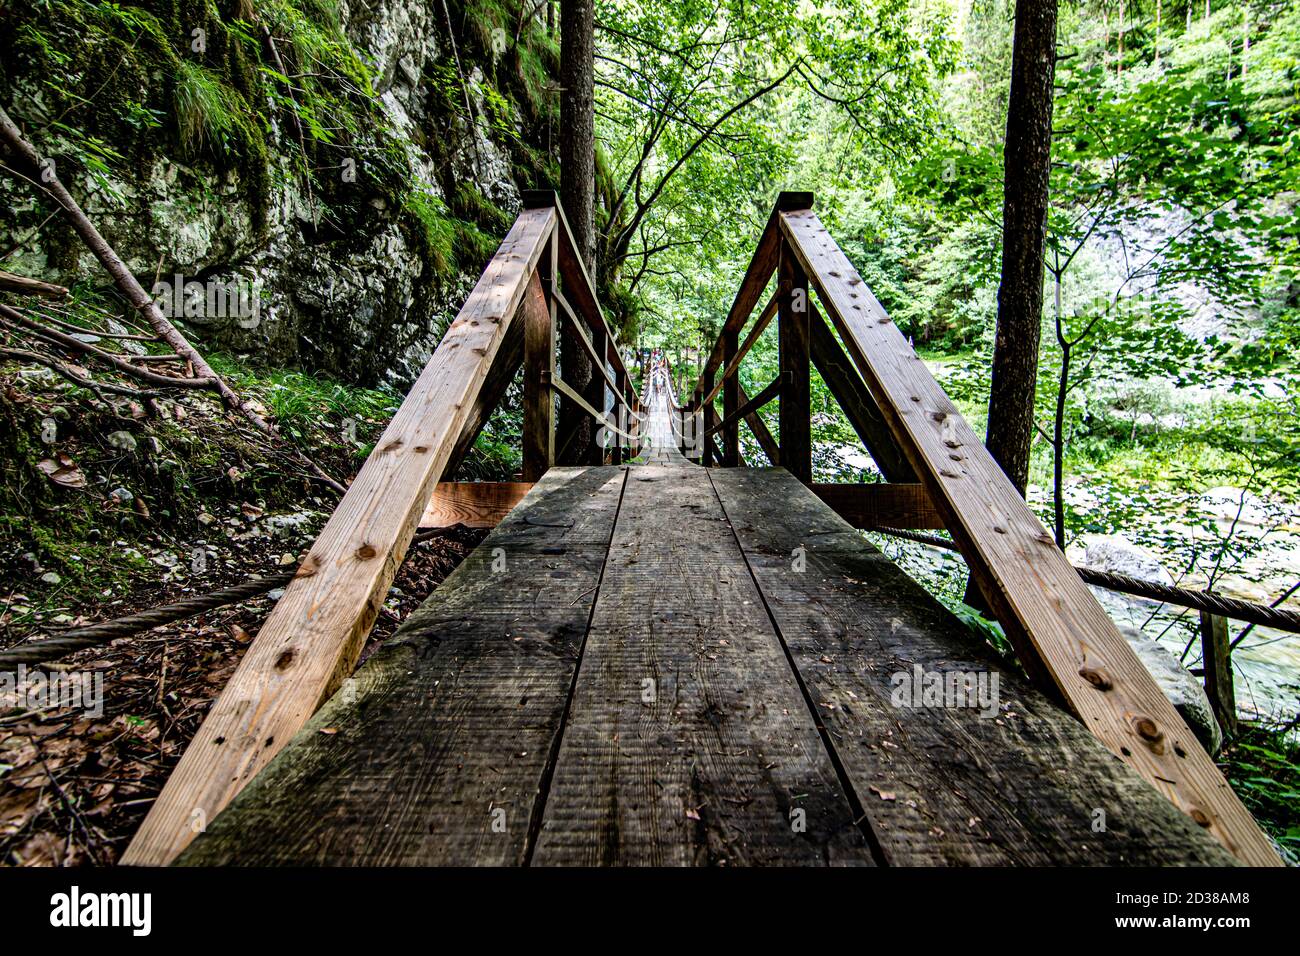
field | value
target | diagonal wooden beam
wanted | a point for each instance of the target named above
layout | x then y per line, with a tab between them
313	638
845	384
510	357
750	407
760	325
1060	633
760	431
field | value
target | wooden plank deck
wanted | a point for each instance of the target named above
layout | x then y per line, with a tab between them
668	665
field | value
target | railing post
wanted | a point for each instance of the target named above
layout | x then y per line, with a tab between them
594	393
539	369
793	336
1217	662
730	401
621	420
706	440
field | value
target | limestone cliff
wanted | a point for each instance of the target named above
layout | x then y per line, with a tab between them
355	162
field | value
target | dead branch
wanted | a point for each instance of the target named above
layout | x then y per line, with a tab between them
63	340
76	378
15	283
24	153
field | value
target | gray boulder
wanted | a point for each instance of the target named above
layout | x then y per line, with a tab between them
1117	555
1183	690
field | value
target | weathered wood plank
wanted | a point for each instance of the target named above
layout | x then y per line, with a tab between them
435	753
1012	779
475	504
883	505
1060	632
688	740
313	638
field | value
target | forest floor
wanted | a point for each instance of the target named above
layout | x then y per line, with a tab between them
190	502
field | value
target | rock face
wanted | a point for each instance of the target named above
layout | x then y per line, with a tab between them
1180	686
356	268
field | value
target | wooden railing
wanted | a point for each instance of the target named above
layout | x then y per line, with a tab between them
311	641
938	474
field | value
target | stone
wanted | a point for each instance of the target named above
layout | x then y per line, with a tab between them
1226	504
1179	685
122	441
1115	554
287	525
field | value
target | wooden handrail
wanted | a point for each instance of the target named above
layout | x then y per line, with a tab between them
585	339
1062	636
569	392
312	639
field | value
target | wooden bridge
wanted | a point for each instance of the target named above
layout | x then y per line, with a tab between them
654	661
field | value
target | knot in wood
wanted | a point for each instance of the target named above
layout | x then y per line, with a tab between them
1096	677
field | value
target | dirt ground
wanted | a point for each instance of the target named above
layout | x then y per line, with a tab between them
74	787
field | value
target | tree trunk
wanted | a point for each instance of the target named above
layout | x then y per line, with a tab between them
578	197
1027	164
1024	228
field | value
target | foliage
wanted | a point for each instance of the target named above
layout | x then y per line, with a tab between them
1263	765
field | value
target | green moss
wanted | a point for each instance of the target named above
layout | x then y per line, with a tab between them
470	204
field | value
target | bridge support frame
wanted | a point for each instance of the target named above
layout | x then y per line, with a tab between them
730	401
794	334
539	368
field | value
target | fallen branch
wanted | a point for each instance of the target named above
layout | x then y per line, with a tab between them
25	154
15	283
63	340
92	635
22	355
122	276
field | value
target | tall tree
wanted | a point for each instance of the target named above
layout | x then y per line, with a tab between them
578	196
1027	164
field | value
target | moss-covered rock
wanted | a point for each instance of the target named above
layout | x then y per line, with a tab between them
346	158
